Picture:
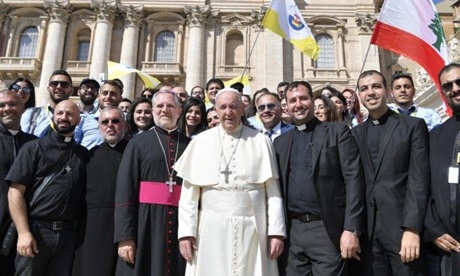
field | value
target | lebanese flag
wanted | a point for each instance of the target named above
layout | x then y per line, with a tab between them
412	28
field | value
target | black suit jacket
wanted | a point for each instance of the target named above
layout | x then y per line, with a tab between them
400	181
337	175
442	141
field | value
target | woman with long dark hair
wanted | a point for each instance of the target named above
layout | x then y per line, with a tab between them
140	116
325	110
26	91
193	118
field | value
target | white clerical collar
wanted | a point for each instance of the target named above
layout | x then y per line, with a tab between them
13	132
301	127
67	139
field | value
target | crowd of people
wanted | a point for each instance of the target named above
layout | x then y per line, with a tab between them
216	182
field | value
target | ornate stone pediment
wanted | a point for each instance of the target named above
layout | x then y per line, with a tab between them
235	19
365	22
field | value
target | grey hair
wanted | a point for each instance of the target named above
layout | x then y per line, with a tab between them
167	91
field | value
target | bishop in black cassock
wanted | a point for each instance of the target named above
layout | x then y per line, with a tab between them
146	206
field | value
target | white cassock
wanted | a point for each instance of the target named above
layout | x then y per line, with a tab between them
234	219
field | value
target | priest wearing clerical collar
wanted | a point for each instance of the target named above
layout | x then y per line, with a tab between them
322	185
147	195
394	150
230	211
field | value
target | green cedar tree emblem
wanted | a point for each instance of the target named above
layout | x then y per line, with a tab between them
436	27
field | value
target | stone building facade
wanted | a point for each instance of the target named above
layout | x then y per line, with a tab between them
185	42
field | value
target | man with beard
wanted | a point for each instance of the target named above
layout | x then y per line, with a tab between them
88	91
101	178
11	140
37	120
442	220
269	110
109	95
147	195
47	184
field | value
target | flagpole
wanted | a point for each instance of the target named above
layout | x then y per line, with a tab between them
246	66
365	59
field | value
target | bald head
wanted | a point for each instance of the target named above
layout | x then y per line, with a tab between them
11	109
66	117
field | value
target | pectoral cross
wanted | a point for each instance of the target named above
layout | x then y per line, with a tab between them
227	173
170	183
67	169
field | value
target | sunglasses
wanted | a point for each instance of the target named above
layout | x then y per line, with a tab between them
63	84
16	88
149	96
107	122
270	106
448	86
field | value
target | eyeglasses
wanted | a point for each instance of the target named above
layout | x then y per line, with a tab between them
107	122
16	88
448	86
270	106
63	84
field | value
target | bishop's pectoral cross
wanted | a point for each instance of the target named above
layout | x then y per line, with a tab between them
171	183
227	172
67	169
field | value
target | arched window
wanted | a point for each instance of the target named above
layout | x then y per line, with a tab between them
326	58
28	42
234	50
84	37
165	46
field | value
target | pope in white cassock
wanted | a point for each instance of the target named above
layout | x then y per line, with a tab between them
231	218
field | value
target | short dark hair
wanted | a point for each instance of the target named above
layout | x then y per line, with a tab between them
238	86
218	81
62	72
401	75
296	84
126	100
447	68
281	84
114	82
369	73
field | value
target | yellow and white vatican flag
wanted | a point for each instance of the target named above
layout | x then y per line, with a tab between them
117	70
284	19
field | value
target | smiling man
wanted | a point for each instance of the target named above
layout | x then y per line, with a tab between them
47	183
321	183
403	92
394	152
230	172
269	110
148	190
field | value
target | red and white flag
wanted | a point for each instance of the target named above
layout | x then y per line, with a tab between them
412	28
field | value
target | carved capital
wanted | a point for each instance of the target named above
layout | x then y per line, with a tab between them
133	15
58	10
4	10
454	52
257	16
365	22
105	11
197	16
423	79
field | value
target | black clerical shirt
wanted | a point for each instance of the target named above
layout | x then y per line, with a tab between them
62	199
374	134
301	191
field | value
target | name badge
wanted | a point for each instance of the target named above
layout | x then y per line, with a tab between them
453	175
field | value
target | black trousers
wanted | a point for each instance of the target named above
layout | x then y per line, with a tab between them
55	256
310	251
387	260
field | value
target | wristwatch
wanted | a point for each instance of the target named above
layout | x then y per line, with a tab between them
356	233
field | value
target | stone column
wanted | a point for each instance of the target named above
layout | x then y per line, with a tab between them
12	29
4	10
52	57
105	13
196	17
340	56
129	47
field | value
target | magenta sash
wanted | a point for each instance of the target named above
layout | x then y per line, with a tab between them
158	193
